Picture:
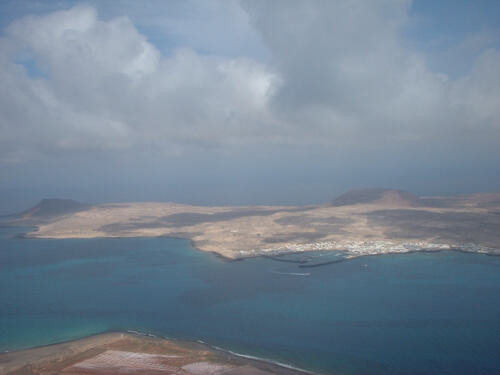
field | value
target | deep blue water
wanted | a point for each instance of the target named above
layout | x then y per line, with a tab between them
396	314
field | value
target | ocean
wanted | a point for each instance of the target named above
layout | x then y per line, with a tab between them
419	313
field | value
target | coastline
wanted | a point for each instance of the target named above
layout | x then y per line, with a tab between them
59	357
423	251
275	255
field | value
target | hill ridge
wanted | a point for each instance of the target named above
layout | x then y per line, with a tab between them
376	196
49	207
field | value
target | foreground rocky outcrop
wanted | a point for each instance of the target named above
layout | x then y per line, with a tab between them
132	354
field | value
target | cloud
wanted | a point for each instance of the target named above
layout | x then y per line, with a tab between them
349	74
340	75
105	87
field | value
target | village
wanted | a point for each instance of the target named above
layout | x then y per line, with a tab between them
353	249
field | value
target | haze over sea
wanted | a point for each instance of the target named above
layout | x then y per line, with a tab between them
421	313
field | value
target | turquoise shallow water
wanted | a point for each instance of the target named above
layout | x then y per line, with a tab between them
397	314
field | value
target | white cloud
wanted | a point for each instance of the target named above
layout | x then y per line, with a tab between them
106	87
341	74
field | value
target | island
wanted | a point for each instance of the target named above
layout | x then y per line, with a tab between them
357	223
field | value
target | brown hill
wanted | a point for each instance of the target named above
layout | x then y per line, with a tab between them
53	207
386	197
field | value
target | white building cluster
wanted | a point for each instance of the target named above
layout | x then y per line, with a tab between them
354	248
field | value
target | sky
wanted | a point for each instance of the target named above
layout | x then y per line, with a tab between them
246	101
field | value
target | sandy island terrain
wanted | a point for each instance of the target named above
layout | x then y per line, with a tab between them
360	222
127	353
